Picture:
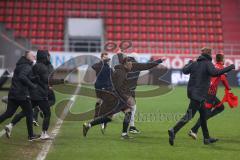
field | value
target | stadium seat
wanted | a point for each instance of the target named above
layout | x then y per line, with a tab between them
163	20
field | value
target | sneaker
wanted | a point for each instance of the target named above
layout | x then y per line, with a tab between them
35	123
86	127
134	130
209	141
103	127
8	130
171	136
45	136
192	134
126	136
33	138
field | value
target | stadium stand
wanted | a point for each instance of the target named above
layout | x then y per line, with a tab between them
163	26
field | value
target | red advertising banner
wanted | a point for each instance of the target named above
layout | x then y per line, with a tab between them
178	61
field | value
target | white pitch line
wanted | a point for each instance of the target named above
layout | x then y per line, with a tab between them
47	145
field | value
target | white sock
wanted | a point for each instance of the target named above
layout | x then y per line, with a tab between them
133	116
10	125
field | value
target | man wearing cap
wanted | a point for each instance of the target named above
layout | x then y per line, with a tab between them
121	82
200	72
132	84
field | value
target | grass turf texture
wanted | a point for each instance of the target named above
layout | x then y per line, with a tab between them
152	143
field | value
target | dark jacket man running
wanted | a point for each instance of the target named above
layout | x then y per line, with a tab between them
200	72
19	92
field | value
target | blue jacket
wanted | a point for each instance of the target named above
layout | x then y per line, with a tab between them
103	73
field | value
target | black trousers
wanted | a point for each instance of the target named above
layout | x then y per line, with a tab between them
44	106
194	106
209	113
51	102
26	106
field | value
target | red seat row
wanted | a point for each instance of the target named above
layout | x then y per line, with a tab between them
139	20
165	37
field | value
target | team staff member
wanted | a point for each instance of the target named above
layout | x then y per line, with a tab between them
19	92
200	73
133	78
103	86
121	84
212	100
51	94
39	94
123	94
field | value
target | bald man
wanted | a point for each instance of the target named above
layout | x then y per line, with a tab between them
19	92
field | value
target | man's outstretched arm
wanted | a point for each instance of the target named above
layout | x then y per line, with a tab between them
217	72
146	66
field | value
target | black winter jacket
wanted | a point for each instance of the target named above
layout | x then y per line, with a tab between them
21	81
200	73
51	94
40	70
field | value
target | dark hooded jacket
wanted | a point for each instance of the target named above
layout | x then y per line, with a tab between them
200	73
40	70
51	94
121	80
21	81
103	73
50	67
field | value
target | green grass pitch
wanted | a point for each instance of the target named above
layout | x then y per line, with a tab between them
152	143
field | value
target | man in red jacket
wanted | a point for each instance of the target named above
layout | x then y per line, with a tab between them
212	104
